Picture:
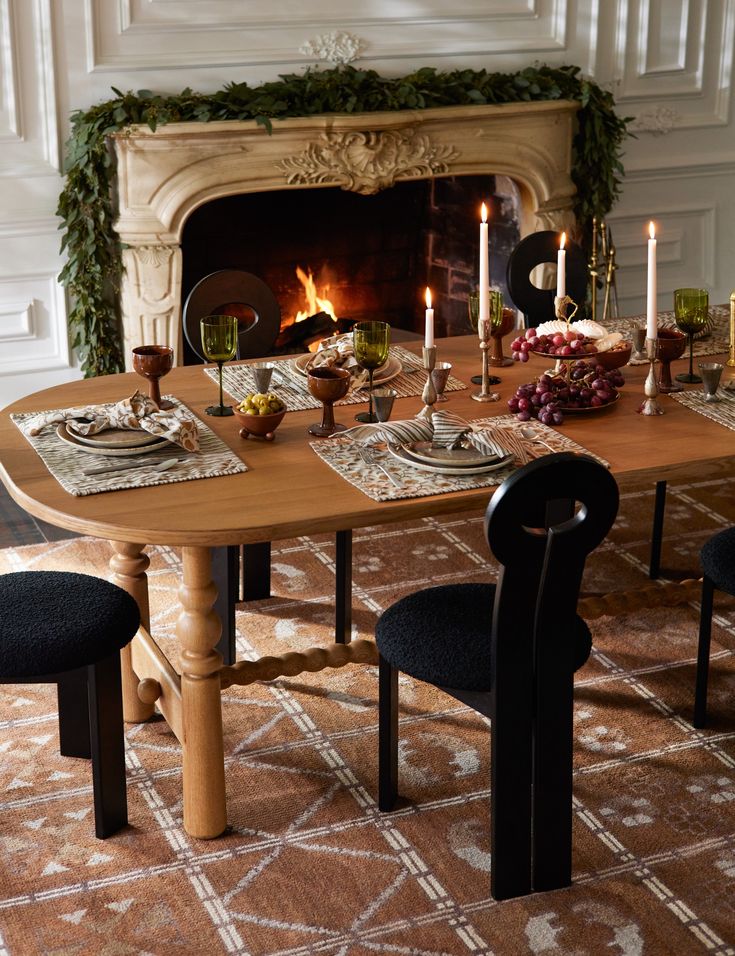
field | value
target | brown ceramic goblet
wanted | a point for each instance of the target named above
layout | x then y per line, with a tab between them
153	362
671	345
505	324
328	384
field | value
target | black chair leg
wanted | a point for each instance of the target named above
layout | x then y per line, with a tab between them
343	597
256	571
657	531
387	735
108	746
71	692
225	574
705	634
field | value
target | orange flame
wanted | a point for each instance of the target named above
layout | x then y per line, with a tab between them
427	297
483	212
651	230
314	302
563	240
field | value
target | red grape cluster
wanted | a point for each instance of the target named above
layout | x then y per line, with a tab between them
561	344
588	386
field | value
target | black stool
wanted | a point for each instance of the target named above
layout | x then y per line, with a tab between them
58	627
718	566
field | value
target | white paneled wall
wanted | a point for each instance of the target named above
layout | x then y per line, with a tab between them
669	63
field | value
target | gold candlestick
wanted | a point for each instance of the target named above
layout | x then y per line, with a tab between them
428	396
484	395
731	359
650	405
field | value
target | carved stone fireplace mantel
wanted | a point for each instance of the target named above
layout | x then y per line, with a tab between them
164	175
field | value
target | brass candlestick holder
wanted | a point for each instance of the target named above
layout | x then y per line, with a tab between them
731	359
429	395
561	306
484	395
650	405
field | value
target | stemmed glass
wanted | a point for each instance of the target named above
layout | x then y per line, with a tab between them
473	312
690	312
371	343
219	344
153	362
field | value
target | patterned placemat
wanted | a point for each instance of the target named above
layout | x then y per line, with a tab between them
342	454
722	412
290	384
65	463
715	341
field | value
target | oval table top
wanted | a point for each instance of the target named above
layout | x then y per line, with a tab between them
288	489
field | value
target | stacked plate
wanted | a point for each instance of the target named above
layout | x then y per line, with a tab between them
115	442
447	461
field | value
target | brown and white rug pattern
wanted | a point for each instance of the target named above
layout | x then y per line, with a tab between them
310	865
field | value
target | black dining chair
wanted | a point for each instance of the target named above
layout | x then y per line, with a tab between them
540	248
509	651
63	628
244	573
718	573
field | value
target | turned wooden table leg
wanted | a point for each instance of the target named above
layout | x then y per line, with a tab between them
129	564
198	630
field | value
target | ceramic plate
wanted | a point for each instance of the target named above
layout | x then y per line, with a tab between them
71	439
116	438
399	452
454	457
385	373
592	408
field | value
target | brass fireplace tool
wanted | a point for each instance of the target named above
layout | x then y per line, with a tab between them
602	266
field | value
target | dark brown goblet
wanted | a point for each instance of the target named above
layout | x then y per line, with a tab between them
328	384
497	331
153	362
671	345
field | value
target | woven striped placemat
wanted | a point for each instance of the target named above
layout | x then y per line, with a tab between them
290	384
722	412
66	462
342	454
715	341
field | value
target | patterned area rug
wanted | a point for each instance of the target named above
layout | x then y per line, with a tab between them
309	865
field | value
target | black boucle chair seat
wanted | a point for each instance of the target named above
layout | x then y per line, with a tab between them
441	635
55	621
718	560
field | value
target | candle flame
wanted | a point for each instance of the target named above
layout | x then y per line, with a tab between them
427	296
651	230
563	240
483	212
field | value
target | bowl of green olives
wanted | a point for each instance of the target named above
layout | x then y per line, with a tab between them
259	414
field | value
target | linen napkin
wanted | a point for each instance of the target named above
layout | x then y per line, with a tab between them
136	412
445	429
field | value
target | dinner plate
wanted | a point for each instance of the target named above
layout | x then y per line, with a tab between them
71	439
385	373
116	438
454	457
399	452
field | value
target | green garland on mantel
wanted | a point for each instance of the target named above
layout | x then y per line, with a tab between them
94	264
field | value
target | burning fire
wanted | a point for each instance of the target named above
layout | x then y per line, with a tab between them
314	302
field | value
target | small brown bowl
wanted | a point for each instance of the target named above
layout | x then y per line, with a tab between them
261	426
613	358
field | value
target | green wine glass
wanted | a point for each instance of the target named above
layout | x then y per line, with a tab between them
371	344
690	313
219	344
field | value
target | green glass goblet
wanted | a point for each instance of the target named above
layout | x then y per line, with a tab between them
690	313
371	344
219	344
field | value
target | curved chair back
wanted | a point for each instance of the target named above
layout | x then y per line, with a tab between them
538	249
241	290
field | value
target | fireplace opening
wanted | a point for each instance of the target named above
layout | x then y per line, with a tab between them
334	257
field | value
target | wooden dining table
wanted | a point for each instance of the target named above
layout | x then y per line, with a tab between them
288	491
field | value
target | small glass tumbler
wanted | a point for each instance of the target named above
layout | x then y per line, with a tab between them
710	372
383	399
262	373
440	377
